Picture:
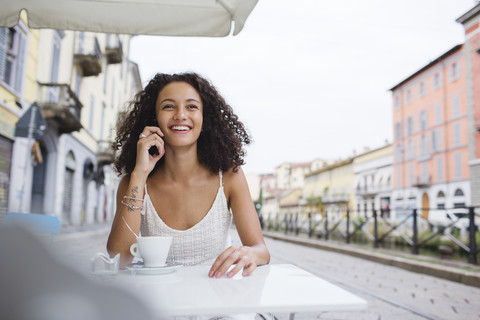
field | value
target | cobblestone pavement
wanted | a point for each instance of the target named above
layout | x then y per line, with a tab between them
391	292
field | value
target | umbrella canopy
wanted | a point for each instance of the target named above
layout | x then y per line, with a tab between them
212	18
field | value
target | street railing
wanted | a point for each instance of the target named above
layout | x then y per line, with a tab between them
457	225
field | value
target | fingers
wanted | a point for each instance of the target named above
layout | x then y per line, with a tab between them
149	130
233	256
151	136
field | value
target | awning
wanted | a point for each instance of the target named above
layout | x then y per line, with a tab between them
212	18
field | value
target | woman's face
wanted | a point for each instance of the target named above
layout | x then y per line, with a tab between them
179	111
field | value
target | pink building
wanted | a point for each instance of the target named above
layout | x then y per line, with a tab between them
471	23
431	136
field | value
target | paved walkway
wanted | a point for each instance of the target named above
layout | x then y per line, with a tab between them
391	291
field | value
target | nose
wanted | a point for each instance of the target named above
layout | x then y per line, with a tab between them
180	113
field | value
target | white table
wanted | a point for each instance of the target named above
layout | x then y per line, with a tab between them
276	288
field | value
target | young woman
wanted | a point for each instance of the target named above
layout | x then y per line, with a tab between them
180	153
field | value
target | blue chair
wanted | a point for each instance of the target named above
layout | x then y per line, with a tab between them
40	224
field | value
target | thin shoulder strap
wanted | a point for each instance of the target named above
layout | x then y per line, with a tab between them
221	176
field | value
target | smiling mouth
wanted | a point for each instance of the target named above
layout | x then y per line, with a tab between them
180	128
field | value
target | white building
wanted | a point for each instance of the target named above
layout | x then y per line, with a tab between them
373	181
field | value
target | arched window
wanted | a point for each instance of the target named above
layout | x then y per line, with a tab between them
440	200
459	200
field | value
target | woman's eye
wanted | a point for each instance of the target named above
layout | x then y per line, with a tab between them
193	106
167	106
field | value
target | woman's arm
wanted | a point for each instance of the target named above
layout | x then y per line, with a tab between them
130	193
254	252
126	224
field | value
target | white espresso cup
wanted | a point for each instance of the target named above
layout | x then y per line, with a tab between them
153	250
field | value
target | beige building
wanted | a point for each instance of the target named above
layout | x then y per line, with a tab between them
18	65
330	190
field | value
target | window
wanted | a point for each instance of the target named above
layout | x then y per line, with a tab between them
410	174
454	71
398	153
12	56
456	106
398	131
441	200
55	62
438	113
409	96
424	172
92	109
423	120
437	140
437	80
457	165
396	102
409	126
456	134
399	177
102	120
440	169
423	145
411	149
422	89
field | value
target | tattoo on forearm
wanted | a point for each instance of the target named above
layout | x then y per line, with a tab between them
134	191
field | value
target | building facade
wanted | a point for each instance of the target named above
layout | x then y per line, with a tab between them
373	181
431	153
82	81
471	23
18	64
329	190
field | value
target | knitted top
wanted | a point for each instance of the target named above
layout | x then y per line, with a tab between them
200	244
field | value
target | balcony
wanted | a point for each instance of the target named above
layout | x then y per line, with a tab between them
423	182
114	51
336	199
366	191
88	56
106	154
60	105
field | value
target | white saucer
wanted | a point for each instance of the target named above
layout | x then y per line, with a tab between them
141	269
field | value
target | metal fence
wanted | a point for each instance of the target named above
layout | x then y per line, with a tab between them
416	228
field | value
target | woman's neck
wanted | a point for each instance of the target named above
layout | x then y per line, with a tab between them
180	165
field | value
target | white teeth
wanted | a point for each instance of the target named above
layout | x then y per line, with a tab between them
181	128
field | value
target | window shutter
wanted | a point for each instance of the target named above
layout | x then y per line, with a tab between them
20	63
3	52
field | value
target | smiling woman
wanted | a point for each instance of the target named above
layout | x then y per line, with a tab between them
192	187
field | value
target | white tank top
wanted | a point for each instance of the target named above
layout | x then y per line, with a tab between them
199	245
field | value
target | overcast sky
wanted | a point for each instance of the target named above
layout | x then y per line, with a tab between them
311	78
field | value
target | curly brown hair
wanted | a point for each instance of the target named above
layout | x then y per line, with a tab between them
220	145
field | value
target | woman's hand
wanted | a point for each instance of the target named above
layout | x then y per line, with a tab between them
150	136
243	257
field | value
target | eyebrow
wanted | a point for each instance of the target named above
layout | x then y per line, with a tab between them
172	100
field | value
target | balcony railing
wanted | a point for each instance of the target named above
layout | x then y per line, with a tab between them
371	191
114	51
336	199
88	56
60	104
423	182
106	154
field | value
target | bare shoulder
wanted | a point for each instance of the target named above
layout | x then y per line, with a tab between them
234	182
231	178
